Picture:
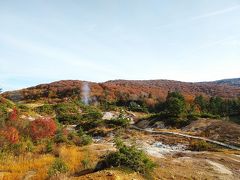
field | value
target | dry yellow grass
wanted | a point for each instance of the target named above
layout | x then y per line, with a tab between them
18	167
37	165
72	156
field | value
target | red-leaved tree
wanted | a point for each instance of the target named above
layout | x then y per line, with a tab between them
13	115
10	135
42	128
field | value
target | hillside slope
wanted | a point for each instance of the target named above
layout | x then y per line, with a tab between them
150	90
223	131
231	82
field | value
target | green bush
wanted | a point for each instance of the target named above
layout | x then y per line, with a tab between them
67	113
49	146
29	145
193	117
86	139
57	167
120	121
200	145
70	114
66	108
46	109
108	106
130	157
176	122
80	132
85	162
207	115
92	114
133	106
60	137
23	108
90	124
69	118
79	138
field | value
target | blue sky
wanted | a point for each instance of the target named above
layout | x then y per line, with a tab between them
98	40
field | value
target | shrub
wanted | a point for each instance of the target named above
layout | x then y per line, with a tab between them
46	109
9	135
130	157
25	145
86	139
80	132
120	121
18	148
177	122
29	145
23	108
60	137
192	117
42	128
133	106
108	106
13	115
92	114
3	115
91	124
66	108
57	167
85	163
49	146
207	115
73	138
69	118
200	145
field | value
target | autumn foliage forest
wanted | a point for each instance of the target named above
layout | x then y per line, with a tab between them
151	90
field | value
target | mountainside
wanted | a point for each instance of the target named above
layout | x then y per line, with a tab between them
149	90
232	82
70	139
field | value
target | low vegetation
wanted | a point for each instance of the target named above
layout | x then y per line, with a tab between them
200	145
58	167
128	157
121	121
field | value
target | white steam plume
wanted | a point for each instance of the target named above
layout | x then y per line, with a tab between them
85	93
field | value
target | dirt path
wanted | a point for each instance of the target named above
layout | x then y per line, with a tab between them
187	136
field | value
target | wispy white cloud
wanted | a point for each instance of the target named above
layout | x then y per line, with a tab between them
215	13
225	41
198	17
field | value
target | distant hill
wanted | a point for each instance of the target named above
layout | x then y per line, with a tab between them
231	82
148	90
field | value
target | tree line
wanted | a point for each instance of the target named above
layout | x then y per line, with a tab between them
176	105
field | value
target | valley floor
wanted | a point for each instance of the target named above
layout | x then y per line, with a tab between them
173	160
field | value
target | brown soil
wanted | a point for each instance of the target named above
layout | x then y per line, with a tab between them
220	130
